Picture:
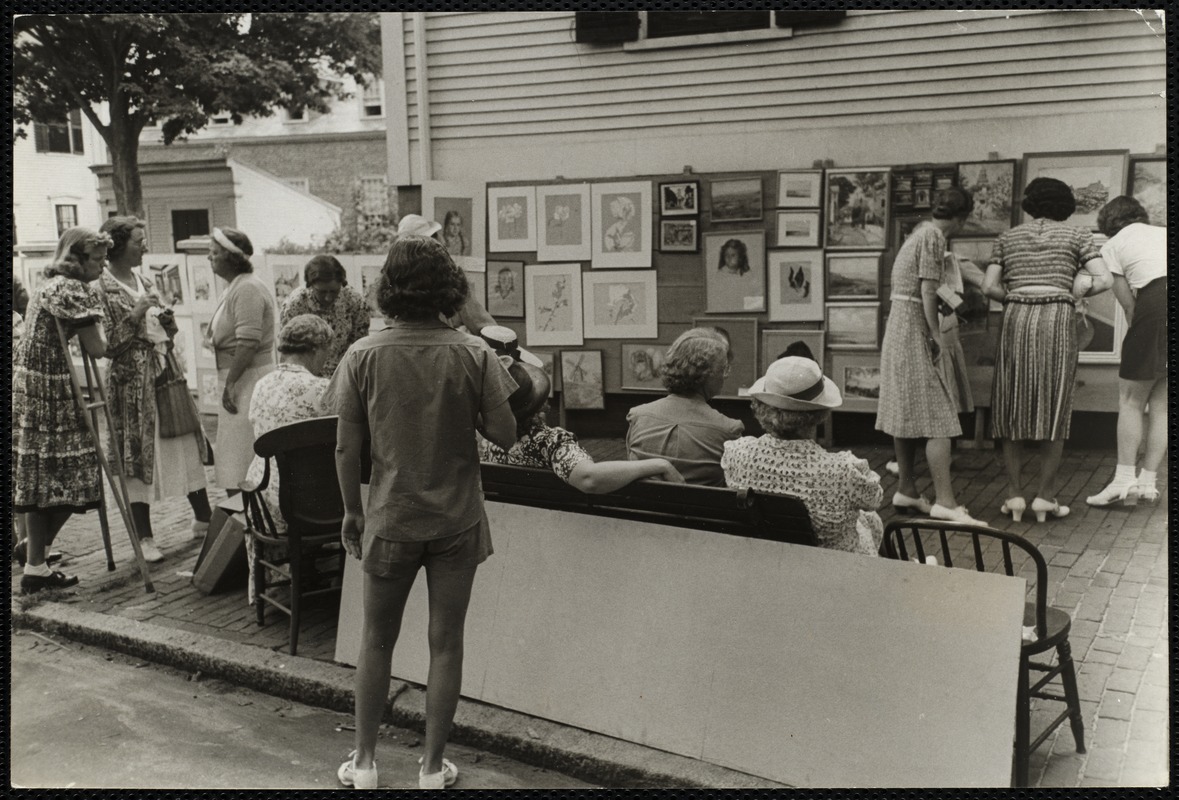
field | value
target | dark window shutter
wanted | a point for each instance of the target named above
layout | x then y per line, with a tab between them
41	137
606	27
798	19
663	24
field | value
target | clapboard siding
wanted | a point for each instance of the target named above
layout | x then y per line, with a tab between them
512	74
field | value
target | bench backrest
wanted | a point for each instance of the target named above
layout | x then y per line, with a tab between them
744	512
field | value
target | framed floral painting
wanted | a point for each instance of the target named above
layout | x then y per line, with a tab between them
621	225
620	305
553	309
511	219
563	229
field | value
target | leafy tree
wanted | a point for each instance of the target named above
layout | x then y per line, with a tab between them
177	70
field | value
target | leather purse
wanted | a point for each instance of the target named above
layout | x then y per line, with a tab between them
175	409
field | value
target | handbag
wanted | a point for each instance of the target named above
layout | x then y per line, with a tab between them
176	412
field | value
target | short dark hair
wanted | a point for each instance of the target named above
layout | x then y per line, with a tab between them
120	230
952	203
324	268
1120	212
420	280
1049	198
240	263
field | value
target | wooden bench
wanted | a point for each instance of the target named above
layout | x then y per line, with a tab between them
739	512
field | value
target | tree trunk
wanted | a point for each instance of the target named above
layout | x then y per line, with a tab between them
124	147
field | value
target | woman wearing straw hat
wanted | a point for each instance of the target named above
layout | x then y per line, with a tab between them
840	491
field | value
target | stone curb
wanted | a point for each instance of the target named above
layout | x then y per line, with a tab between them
573	751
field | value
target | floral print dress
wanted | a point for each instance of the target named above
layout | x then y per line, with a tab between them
541	446
348	317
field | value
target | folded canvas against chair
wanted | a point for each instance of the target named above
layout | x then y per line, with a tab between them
221	565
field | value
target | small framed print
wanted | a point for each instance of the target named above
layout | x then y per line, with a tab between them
858	377
777	344
857	208
620	305
621	225
853	326
581	379
553	310
168	273
802	188
735	271
1148	185
679	198
505	289
1095	177
853	276
642	366
679	236
736	199
796	285
742	335
563	227
511	219
799	229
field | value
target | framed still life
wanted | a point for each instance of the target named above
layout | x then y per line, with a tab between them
1148	185
679	198
734	271
620	305
563	222
777	344
553	311
992	185
1095	176
857	208
796	285
458	208
641	367
581	379
802	188
505	289
511	219
621	225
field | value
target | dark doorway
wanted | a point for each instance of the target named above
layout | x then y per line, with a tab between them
189	222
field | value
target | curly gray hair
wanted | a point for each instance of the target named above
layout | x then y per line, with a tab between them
785	423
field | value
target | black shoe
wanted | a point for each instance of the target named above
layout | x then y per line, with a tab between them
31	584
21	556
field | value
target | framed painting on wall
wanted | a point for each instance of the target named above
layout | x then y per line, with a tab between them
853	276
511	219
563	232
736	199
800	188
581	379
742	335
1095	176
857	208
679	198
853	326
206	289
286	274
505	289
1108	322
1148	185
777	344
992	185
796	285
858	377
168	273
735	271
679	236
553	309
799	229
458	208
620	305
641	367
621	225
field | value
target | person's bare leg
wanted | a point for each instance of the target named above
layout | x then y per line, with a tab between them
939	455
906	452
1049	466
450	594
1013	462
1156	428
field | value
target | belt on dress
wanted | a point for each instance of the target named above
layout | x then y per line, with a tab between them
911	299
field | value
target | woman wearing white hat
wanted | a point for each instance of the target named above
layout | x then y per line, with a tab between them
840	491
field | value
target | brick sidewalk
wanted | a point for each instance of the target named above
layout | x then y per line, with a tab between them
1107	568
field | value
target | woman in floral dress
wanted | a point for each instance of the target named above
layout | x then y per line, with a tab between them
325	293
54	458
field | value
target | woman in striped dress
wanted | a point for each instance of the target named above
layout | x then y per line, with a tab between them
1039	270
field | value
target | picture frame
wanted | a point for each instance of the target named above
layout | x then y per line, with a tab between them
853	326
621	304
742	335
582	384
858	377
369	269
505	289
205	359
553	310
922	188
735	199
857	208
511	219
286	275
740	286
799	229
1095	176
477	281
563	222
208	391
992	185
621	216
902	189
679	198
679	236
1148	185
853	276
796	285
459	207
800	188
775	342
1105	314
167	273
206	287
641	367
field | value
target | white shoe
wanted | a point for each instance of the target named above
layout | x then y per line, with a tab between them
1124	493
1042	508
355	778
438	780
892	468
902	502
959	514
151	553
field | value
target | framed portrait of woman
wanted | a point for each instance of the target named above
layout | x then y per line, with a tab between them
735	271
621	225
563	224
505	289
459	208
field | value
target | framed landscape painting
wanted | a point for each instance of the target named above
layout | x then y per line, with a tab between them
777	344
1095	176
679	236
858	377
799	229
1148	185
857	208
679	198
992	185
853	276
511	219
553	309
736	199
581	379
563	230
620	305
800	188
796	285
621	225
641	365
853	326
742	334
505	289
734	271
458	208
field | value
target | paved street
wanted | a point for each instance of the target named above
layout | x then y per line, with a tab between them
85	718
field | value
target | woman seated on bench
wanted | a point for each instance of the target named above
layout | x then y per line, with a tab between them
544	447
840	491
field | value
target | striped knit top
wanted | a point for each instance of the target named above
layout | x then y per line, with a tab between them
1043	253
